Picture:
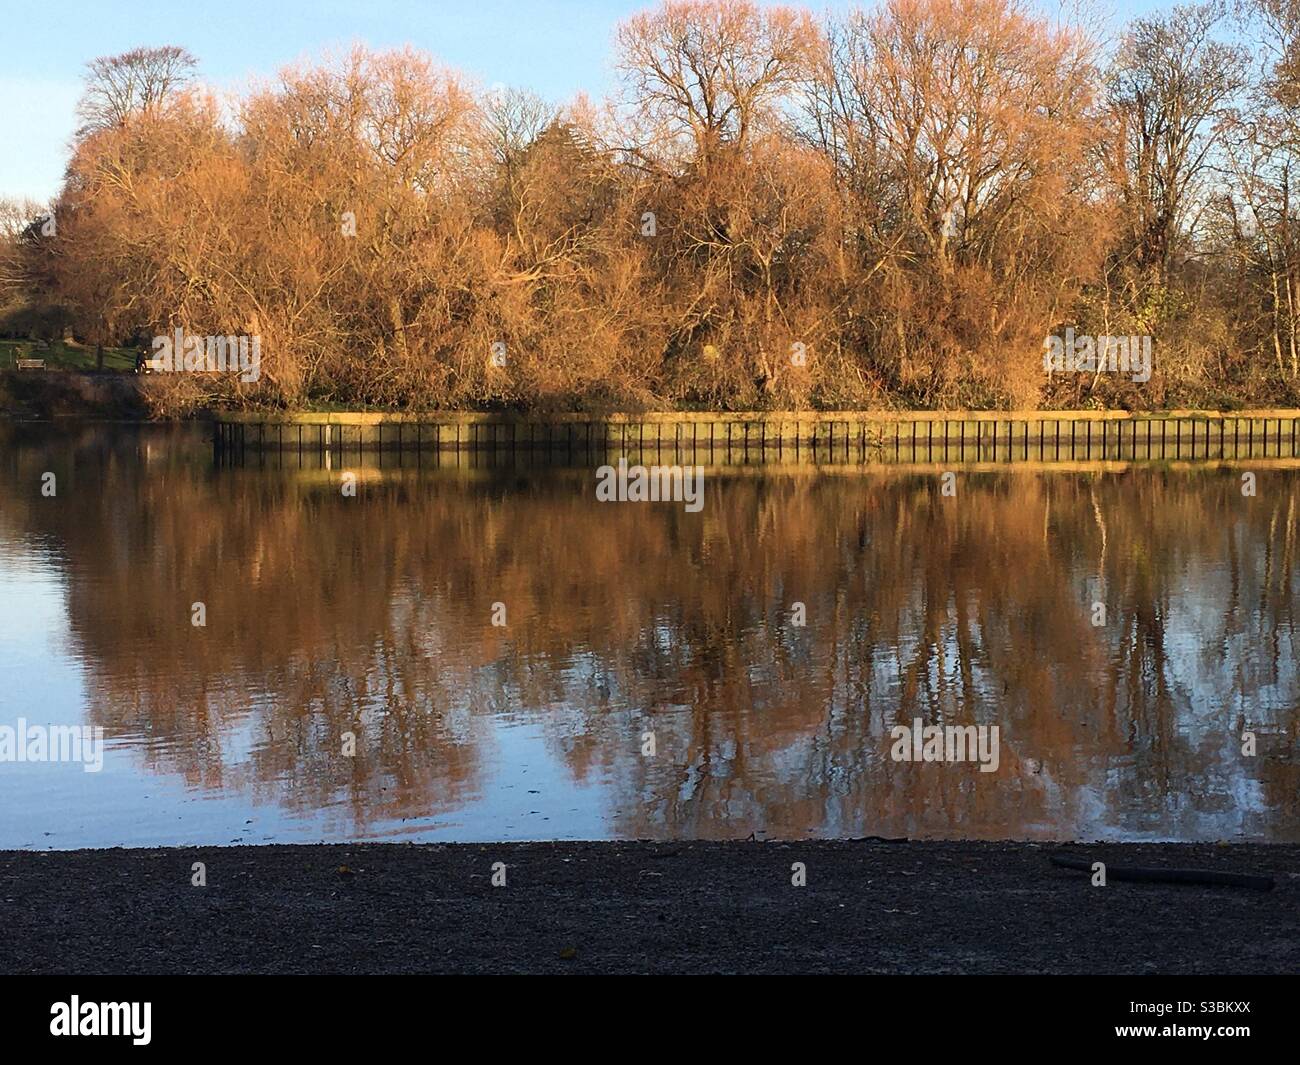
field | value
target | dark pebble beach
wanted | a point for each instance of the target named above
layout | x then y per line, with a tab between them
869	906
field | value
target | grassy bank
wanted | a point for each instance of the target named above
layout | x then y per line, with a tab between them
59	355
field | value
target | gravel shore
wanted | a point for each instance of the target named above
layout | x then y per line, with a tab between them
700	907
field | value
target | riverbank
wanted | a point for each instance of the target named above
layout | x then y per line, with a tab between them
39	395
689	437
998	434
701	907
711	438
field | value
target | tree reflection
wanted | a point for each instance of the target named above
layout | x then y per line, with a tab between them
324	611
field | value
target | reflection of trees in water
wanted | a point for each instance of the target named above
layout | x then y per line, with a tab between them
623	618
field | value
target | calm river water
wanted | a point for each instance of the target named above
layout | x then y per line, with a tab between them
488	652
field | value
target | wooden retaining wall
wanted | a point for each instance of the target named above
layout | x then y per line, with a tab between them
907	436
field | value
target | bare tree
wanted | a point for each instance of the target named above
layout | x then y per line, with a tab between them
713	70
140	81
512	120
1169	87
20	222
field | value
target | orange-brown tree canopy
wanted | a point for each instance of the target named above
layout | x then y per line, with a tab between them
891	206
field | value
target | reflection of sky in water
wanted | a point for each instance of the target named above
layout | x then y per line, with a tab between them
543	740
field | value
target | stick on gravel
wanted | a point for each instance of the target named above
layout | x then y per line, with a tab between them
1149	875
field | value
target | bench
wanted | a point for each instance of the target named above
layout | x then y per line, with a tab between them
30	364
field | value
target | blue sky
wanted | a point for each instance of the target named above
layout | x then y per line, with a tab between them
556	47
